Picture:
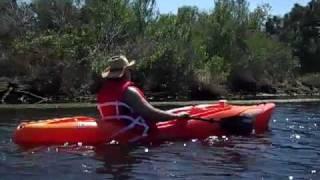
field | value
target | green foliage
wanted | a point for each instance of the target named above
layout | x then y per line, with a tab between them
301	29
214	71
54	14
269	59
258	17
62	42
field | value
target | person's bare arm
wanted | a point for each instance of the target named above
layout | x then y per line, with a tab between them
145	109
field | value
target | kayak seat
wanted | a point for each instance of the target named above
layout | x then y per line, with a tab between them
239	125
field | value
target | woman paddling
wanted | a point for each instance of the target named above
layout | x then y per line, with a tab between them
118	98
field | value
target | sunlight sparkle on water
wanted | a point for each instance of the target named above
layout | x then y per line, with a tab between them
229	157
296	136
113	142
86	168
225	138
213	137
3	157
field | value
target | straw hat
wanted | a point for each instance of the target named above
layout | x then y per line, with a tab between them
117	67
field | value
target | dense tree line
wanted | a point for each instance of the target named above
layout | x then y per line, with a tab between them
52	48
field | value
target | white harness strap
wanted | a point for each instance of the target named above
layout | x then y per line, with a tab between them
116	104
139	121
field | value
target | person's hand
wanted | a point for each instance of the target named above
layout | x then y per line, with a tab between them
183	115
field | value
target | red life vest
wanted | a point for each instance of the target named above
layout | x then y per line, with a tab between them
112	107
110	97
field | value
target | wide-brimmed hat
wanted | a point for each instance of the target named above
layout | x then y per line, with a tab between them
117	67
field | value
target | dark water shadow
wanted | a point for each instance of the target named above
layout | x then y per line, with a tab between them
117	160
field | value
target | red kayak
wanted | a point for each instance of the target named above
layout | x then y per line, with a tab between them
208	120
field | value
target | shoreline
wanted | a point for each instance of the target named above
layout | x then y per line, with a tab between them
155	103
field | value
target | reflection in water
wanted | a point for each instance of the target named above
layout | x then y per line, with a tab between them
116	159
233	156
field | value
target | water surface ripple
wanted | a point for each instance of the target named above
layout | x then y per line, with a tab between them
291	150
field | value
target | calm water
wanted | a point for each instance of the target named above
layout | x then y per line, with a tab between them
290	151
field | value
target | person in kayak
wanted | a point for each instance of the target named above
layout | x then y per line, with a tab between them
119	98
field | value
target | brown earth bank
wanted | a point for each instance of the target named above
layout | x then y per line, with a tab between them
13	91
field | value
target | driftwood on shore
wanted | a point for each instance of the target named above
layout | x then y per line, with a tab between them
22	94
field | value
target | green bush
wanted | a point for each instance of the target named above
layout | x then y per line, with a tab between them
269	59
58	44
